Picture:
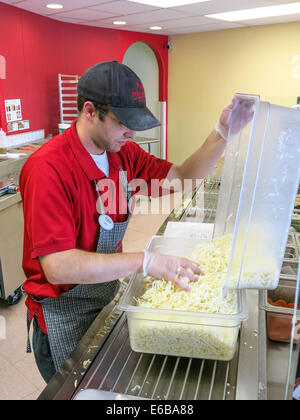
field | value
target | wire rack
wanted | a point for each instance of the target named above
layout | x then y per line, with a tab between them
158	377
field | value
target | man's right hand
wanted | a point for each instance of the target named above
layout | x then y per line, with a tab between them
171	268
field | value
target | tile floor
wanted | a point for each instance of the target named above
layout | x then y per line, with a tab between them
19	377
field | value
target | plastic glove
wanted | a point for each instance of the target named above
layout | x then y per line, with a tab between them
235	117
171	268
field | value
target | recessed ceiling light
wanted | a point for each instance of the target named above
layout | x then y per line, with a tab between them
156	28
259	12
168	3
54	6
120	22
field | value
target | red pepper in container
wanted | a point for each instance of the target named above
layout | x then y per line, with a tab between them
279	325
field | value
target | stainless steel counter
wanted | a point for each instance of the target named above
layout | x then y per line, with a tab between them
116	368
103	360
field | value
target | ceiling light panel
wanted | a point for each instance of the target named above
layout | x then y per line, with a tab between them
204	28
258	13
221	6
168	3
54	6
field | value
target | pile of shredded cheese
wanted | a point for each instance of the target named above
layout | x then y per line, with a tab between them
206	293
205	296
259	271
191	337
197	338
184	339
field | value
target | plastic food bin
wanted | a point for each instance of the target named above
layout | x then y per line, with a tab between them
180	333
289	269
259	185
279	315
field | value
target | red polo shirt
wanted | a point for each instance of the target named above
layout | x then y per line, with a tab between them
59	201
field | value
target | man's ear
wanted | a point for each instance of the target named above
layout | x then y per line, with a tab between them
89	110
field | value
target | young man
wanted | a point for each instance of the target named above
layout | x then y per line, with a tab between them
73	238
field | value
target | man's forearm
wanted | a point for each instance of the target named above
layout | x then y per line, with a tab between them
80	267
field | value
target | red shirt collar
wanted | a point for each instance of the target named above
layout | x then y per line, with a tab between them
84	158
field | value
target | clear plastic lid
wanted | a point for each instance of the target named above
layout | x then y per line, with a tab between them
258	190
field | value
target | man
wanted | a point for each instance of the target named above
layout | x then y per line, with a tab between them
72	240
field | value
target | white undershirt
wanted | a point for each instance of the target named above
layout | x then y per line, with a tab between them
102	162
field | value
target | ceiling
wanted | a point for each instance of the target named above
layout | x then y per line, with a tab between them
139	17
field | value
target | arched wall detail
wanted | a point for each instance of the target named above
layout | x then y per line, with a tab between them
160	53
141	56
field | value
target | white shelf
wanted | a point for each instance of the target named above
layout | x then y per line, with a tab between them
67	83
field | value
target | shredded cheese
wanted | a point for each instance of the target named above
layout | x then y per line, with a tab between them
184	339
181	335
205	296
259	271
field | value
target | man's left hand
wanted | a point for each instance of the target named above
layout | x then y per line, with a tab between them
235	117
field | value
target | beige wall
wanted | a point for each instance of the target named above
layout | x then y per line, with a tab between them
206	69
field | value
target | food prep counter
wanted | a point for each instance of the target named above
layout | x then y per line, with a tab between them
104	360
11	222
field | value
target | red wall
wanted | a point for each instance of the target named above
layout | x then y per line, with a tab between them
37	48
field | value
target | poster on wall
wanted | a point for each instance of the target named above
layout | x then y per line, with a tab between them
13	110
18	125
13	113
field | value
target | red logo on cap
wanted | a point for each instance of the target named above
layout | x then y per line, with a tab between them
139	94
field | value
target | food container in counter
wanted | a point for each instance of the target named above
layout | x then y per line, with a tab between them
296	220
291	240
279	306
175	332
297	202
291	252
289	269
297	238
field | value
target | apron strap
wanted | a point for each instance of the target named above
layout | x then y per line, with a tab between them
28	347
126	186
127	189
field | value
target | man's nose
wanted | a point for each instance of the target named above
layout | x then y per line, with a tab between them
130	134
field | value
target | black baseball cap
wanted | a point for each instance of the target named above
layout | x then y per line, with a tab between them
114	84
